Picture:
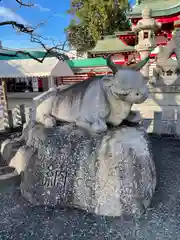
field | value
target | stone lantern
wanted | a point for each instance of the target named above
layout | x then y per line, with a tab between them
145	30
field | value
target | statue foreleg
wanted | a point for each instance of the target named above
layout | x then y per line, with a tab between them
82	122
97	126
134	117
49	121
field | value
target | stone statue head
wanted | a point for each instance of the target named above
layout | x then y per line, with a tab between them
127	83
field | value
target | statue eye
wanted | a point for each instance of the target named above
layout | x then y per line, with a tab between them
137	94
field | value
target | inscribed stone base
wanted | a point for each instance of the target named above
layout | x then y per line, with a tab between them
110	174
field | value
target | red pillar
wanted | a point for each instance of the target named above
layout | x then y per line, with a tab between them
126	58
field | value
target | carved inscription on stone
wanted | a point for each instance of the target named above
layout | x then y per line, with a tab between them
51	176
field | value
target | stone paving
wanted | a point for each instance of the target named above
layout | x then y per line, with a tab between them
19	220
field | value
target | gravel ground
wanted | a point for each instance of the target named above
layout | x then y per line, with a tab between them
19	220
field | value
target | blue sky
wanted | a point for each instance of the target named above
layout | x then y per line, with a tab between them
52	13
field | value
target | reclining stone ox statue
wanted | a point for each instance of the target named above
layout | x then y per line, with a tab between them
109	174
93	103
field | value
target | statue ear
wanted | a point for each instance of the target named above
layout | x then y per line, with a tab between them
108	80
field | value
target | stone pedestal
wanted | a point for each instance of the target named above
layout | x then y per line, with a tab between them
110	174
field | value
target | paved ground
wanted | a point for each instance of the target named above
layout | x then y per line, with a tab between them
19	220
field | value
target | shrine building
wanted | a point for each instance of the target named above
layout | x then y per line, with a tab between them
123	44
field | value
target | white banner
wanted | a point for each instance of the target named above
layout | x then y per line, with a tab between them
35	84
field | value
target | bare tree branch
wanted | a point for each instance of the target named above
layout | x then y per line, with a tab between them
24	4
48	52
19	26
52	51
56	51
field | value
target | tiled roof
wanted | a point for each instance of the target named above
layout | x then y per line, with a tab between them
111	44
159	8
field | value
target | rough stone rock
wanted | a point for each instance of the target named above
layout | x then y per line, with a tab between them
9	144
9	147
109	174
20	160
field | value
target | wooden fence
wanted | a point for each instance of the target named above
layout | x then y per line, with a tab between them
18	116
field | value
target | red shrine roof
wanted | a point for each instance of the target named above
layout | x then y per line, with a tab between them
165	11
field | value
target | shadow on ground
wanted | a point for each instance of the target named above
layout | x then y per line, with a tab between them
18	220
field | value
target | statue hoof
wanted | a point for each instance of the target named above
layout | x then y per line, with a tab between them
49	122
97	128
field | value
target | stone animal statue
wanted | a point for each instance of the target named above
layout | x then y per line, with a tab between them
163	61
166	52
94	103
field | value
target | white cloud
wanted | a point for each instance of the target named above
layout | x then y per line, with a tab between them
6	14
41	8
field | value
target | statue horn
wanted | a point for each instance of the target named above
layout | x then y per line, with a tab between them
140	64
112	65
